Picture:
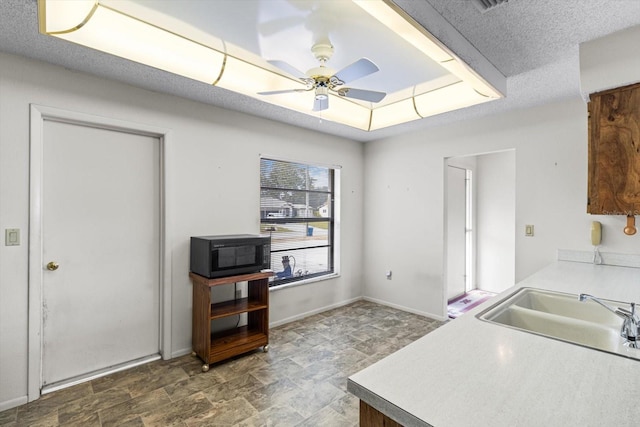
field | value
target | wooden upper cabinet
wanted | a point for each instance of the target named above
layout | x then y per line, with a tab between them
614	152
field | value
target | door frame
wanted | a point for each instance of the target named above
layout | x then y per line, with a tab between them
467	230
470	235
38	114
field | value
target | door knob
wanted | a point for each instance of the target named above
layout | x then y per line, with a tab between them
52	266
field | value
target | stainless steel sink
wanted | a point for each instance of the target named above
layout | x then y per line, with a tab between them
563	317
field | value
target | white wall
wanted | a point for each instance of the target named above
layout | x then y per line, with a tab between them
404	199
495	180
215	163
607	62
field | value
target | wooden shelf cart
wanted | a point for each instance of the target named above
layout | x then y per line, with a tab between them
217	346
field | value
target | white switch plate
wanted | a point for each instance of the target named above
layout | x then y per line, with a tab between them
12	237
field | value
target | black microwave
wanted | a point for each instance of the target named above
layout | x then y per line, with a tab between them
220	256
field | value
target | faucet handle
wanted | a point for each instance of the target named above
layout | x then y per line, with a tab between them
624	312
628	313
631	326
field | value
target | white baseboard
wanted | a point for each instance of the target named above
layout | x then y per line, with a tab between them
312	312
8	404
185	351
181	352
407	309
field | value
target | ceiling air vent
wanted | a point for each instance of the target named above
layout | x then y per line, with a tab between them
485	5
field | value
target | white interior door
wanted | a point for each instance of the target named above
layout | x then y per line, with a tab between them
456	231
101	225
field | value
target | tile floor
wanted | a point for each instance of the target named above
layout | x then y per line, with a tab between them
301	381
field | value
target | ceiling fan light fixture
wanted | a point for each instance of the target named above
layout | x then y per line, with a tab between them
322	93
124	29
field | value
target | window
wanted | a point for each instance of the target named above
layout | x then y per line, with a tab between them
297	209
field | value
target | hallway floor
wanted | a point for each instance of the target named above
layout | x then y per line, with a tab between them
459	305
301	381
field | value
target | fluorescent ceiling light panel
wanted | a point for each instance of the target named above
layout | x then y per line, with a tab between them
392	114
124	29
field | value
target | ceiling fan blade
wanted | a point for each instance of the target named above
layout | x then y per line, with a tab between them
288	68
362	94
362	67
320	104
276	92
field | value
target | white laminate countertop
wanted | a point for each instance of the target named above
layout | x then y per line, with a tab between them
473	373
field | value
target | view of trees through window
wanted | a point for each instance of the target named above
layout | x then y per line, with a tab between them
296	209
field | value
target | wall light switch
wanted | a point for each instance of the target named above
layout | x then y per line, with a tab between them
528	230
12	237
388	274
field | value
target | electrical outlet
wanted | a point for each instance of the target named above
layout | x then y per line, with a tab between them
238	293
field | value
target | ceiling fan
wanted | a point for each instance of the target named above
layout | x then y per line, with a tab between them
323	79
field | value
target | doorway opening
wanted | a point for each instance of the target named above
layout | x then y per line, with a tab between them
460	248
479	229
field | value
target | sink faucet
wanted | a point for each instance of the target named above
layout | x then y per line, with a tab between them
630	329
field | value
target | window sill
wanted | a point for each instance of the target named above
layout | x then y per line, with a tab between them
303	282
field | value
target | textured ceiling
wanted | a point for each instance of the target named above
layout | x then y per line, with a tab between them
532	42
523	35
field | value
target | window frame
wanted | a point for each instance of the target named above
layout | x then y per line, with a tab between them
333	222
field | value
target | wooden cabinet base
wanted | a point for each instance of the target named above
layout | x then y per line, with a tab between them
235	341
371	417
214	347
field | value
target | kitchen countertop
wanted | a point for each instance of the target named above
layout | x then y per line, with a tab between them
473	373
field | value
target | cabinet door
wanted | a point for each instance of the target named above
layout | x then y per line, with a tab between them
614	152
